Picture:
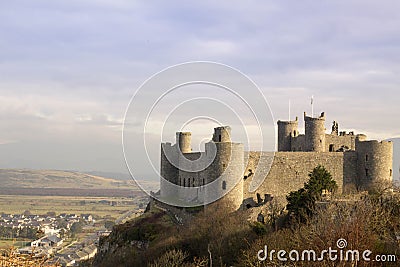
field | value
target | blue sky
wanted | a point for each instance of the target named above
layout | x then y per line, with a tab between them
69	68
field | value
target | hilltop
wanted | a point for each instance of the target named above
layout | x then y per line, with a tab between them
21	178
64	183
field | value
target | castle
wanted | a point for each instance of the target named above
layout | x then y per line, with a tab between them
227	173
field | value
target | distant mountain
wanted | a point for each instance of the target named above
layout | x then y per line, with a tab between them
23	178
47	179
113	175
146	183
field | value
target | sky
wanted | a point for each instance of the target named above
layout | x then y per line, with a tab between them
68	69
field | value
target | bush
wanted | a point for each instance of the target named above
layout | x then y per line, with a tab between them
301	203
259	228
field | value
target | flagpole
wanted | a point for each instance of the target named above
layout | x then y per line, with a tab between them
289	109
312	106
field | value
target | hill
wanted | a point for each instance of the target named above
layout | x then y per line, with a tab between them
64	183
21	178
147	184
213	237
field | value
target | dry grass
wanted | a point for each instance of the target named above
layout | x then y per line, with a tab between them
9	258
369	224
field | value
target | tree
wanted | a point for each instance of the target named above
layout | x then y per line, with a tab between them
301	203
51	213
27	232
62	223
76	228
27	213
320	179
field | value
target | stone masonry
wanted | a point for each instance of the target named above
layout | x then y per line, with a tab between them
355	164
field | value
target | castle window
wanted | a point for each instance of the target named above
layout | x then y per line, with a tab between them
366	157
204	181
366	172
219	138
391	172
184	182
331	148
223	185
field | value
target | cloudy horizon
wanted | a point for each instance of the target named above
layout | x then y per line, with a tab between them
68	69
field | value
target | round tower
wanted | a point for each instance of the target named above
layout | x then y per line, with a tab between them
375	164
225	175
222	134
287	130
184	140
315	133
168	170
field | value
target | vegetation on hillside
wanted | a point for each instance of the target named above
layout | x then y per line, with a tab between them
8	258
216	238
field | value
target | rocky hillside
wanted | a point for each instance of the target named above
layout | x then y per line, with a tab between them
156	240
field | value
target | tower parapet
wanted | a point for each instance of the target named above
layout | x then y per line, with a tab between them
222	134
286	131
184	141
315	133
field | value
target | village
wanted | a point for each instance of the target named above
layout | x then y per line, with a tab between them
65	239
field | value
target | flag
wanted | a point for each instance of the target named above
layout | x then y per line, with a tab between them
312	99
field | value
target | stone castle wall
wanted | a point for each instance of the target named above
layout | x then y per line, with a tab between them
298	143
290	170
334	142
169	173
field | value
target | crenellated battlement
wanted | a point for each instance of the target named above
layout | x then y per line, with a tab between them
354	162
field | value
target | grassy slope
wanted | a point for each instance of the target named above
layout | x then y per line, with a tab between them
18	178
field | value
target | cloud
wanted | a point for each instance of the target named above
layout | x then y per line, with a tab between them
68	69
99	119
